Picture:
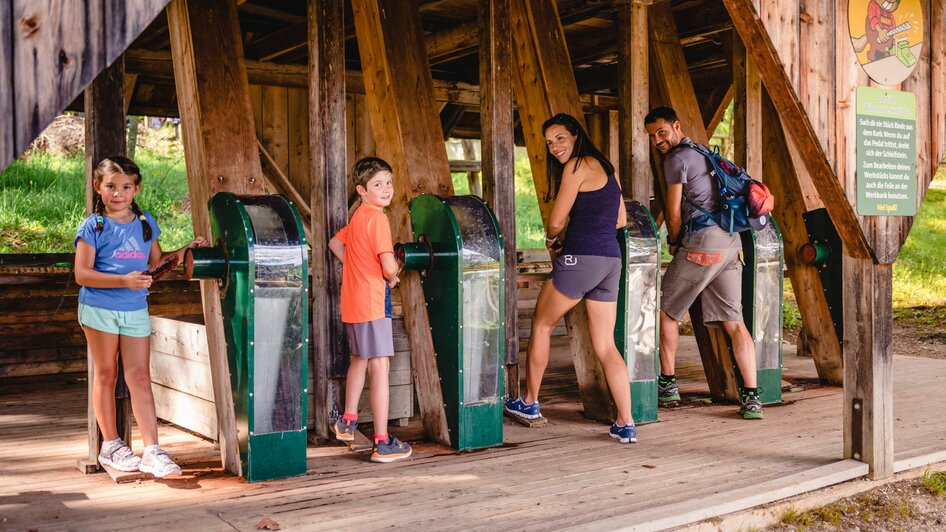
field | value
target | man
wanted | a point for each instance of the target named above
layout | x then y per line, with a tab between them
705	260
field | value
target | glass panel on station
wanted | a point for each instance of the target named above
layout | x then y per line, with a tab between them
643	271
767	326
278	291
481	272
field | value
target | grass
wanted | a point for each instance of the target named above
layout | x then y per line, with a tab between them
42	201
918	273
935	482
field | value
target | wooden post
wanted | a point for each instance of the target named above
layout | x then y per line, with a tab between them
7	95
747	110
676	88
105	137
937	84
399	90
868	364
497	147
220	150
328	164
545	85
779	85
633	101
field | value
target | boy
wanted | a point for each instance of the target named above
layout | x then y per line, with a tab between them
369	270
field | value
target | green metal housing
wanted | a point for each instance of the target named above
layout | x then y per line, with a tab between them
823	235
265	308
762	280
637	330
463	288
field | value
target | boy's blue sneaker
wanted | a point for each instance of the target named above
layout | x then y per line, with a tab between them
517	407
391	451
345	430
626	433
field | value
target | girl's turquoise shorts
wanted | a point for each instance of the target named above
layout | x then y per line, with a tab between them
135	323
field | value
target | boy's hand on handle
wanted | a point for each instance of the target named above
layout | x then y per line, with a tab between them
137	280
198	242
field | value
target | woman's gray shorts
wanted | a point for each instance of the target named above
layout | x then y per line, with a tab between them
587	276
371	339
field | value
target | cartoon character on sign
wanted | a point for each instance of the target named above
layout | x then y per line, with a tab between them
881	33
887	36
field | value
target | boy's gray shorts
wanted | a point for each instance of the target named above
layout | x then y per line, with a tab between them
587	276
371	339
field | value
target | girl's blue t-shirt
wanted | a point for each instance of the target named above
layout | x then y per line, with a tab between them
119	249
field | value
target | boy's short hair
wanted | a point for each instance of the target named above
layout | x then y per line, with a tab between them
661	113
366	168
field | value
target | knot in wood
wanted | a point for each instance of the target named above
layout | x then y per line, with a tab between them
64	58
221	179
29	25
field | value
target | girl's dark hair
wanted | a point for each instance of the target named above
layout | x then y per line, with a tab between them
117	165
366	168
583	148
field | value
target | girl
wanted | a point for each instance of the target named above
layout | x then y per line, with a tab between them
114	247
586	193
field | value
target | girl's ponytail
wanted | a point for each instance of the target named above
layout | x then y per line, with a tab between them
145	226
98	207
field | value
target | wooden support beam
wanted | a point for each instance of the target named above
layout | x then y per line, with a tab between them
747	110
220	148
780	175
400	98
545	85
105	137
676	89
715	110
129	90
450	116
868	364
937	85
497	151
634	101
7	93
328	164
779	85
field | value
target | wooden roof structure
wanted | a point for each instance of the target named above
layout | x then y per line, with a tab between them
261	88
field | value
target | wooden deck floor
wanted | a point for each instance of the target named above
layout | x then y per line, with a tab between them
569	474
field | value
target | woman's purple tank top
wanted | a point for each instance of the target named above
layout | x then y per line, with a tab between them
592	221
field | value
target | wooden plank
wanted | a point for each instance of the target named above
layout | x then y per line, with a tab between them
779	171
7	93
497	147
633	97
104	137
674	85
182	374
817	70
220	147
400	98
298	142
275	138
938	85
328	165
868	364
124	21
545	85
196	414
778	83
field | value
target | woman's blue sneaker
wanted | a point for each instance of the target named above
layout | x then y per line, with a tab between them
626	433
517	407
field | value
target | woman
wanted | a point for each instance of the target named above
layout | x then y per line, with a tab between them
582	183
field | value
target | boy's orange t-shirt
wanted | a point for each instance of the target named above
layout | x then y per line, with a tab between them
366	237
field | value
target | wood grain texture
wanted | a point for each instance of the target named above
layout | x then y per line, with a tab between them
634	102
544	86
497	147
220	147
868	365
8	129
328	168
407	129
780	176
781	89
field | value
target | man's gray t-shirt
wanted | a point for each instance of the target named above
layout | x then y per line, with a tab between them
691	169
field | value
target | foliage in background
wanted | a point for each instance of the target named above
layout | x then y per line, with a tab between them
918	274
42	200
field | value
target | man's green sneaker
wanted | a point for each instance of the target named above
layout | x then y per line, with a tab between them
751	407
667	393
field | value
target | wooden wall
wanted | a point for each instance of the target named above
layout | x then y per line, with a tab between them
50	50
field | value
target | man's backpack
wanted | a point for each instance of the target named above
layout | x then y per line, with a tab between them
743	202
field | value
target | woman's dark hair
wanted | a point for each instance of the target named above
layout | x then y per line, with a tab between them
117	165
583	148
